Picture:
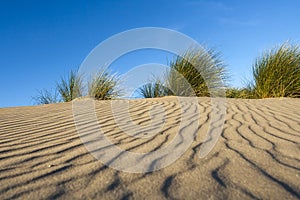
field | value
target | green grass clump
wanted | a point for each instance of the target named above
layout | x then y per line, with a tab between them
46	97
277	73
70	88
196	72
104	86
244	93
154	89
101	87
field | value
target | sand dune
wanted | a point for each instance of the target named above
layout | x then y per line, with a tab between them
256	157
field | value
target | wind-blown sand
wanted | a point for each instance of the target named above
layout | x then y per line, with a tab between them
256	157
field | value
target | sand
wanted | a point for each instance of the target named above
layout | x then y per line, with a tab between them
256	157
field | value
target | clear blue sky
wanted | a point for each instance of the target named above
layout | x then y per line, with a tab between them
43	40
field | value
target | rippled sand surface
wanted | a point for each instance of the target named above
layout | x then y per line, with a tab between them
256	157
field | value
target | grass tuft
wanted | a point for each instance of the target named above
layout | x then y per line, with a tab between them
46	97
154	89
197	72
71	87
277	72
104	86
244	93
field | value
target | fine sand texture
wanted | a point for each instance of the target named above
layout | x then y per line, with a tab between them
257	156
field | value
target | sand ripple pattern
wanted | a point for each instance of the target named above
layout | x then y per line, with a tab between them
256	157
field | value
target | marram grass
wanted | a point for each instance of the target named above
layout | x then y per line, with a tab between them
277	73
154	89
202	71
195	73
104	86
46	97
71	87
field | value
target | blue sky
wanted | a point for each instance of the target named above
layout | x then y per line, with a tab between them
40	41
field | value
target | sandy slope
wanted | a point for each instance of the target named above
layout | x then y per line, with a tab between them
256	157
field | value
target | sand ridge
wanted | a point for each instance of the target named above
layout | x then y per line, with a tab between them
256	157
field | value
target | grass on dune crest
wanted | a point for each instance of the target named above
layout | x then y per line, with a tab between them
242	93
46	97
204	71
104	85
276	72
70	88
195	73
101	87
154	89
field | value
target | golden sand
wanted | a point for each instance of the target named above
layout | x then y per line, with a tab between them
256	157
